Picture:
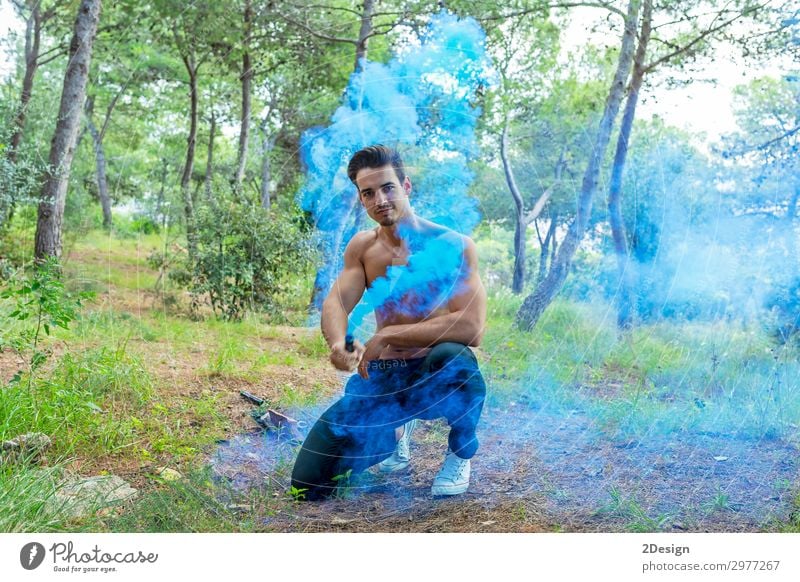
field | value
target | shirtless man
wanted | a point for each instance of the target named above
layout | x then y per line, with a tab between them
418	363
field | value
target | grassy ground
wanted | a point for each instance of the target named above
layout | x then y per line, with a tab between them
136	385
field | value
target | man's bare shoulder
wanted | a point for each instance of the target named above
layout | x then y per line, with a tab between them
360	242
456	239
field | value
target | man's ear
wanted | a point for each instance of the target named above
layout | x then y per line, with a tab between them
407	186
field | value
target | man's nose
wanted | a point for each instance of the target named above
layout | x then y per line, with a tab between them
380	198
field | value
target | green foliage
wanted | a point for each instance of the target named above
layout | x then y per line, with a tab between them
16	242
298	494
39	302
20	180
784	303
245	257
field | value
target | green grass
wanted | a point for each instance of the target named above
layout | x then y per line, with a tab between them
655	379
182	430
83	403
621	505
25	494
196	504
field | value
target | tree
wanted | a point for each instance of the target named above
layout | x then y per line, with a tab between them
36	18
624	312
535	304
195	34
522	72
62	149
100	156
685	44
246	79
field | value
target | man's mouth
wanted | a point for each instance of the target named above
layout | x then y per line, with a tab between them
384	210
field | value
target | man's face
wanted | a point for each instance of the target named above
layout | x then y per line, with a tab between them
382	194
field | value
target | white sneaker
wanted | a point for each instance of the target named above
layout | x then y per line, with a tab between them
453	478
402	454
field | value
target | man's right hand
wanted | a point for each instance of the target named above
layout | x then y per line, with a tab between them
344	360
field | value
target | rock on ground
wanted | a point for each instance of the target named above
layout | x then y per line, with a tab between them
83	497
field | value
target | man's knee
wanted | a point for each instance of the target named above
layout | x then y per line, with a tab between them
454	362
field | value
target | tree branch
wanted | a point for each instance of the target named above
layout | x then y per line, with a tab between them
42	62
313	32
708	32
540	9
775	140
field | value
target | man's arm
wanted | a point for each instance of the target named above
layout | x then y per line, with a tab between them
343	297
464	324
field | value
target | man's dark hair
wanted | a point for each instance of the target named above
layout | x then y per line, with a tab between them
376	156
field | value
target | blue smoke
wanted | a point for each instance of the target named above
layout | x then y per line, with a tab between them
422	102
433	275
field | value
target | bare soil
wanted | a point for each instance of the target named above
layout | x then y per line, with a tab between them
547	473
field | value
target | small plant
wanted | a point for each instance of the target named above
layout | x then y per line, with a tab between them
297	494
722	501
40	301
342	484
629	509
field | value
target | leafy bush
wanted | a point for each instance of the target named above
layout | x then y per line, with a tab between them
245	257
19	181
785	306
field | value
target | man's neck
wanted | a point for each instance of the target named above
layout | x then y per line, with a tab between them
394	234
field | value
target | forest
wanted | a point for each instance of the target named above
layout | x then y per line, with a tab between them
174	209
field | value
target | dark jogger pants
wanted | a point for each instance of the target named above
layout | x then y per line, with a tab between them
357	431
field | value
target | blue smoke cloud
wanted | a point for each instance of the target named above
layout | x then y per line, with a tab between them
422	102
431	278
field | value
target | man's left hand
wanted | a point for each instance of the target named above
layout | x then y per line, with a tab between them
372	349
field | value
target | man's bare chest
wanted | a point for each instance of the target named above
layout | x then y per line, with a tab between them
377	261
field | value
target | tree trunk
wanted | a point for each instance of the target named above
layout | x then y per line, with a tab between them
161	193
33	35
267	144
247	76
212	131
33	29
535	304
100	158
62	148
364	33
626	291
518	279
545	247
188	166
